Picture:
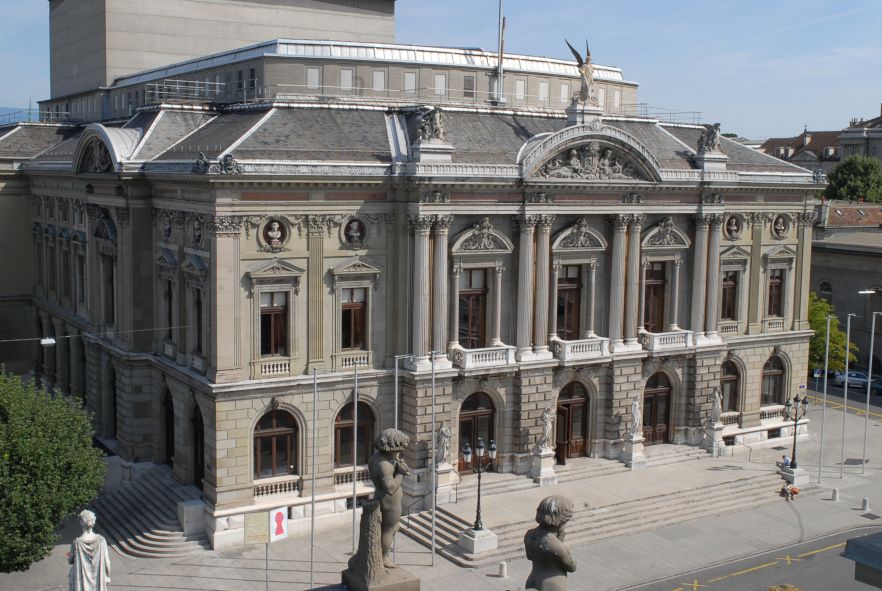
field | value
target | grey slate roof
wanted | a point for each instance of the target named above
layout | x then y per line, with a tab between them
168	130
741	158
215	137
27	141
670	152
856	241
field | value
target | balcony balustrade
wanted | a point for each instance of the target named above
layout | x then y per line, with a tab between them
347	360
580	350
275	367
666	341
729	328
773	324
486	357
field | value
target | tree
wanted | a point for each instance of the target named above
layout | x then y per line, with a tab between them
818	310
48	468
856	177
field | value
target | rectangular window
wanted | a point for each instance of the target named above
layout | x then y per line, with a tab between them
353	318
440	84
654	302
274	323
564	93
346	80
776	292
379	81
543	92
410	83
217	84
108	289
617	99
81	281
51	268
67	275
472	306
240	77
168	306
729	309
252	79
601	97
197	321
313	78
520	90
468	86
569	287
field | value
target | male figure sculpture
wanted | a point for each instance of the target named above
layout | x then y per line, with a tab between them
545	548
387	470
90	570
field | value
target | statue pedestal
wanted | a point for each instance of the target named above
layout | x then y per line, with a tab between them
396	579
542	466
432	151
582	114
795	476
478	541
632	452
445	492
714	433
711	161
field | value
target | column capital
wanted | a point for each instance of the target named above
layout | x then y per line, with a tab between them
545	221
715	219
644	263
677	261
456	269
806	219
499	269
618	221
636	220
420	223
442	223
523	221
701	220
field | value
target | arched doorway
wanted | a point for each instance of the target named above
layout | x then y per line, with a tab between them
476	419
198	448
656	409
571	427
344	426
168	416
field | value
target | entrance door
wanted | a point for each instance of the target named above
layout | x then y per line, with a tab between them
476	419
654	313
571	430
656	409
198	449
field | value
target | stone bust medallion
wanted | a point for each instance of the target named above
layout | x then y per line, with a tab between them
354	233
274	233
779	227
733	227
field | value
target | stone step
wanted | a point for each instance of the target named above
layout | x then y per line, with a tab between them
501	483
579	470
448	527
634	516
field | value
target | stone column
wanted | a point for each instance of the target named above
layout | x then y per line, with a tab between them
496	339
713	275
439	282
543	256
675	295
803	270
641	324
636	224
592	289
617	277
315	296
552	305
699	274
526	225
421	226
454	308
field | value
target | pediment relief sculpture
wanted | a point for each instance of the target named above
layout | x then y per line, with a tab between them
665	235
591	162
95	158
482	238
579	236
355	266
276	271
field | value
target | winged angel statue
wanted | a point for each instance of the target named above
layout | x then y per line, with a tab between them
587	94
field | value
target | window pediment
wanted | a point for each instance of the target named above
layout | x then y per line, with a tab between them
276	271
166	259
665	235
780	252
354	267
734	253
196	266
482	238
580	237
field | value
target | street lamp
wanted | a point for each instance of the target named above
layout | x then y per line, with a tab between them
792	412
479	468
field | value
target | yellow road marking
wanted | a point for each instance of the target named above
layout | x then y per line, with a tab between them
789	559
819	550
836	405
694	585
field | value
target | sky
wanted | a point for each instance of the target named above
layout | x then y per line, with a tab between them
762	68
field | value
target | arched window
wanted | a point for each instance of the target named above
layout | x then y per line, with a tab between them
773	382
571	426
476	419
825	291
729	387
275	445
344	425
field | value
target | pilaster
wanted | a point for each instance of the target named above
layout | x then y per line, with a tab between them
543	259
526	227
631	304
713	276
439	288
315	301
618	223
699	274
803	270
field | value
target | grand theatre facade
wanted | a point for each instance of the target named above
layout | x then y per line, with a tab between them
224	273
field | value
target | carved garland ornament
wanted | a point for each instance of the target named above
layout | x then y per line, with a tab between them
482	238
592	163
581	235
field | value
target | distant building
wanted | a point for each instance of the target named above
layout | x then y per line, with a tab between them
812	150
863	138
847	258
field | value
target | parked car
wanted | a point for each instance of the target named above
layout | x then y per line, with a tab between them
855	378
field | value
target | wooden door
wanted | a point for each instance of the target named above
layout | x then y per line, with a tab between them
562	440
656	409
476	417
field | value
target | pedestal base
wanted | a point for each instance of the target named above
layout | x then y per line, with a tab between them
795	476
446	493
396	579
542	467
632	452
432	151
714	438
478	541
582	114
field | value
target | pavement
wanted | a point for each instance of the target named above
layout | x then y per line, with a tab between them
618	563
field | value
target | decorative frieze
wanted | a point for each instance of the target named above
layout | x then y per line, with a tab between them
224	224
632	198
540	197
435	196
591	162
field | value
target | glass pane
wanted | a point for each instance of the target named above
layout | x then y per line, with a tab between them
359	295
358	328
266	299
344	446
661	409
282	443
576	412
280	333
561	424
266	334
379	81
265	458
280	299
346	79
466	434
346	337
485	429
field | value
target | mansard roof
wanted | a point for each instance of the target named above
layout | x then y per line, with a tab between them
28	140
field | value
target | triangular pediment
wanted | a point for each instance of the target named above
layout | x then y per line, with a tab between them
166	259
579	237
482	238
355	266
195	265
734	252
781	251
665	235
274	268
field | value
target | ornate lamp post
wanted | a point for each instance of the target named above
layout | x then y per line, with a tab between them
479	469
793	412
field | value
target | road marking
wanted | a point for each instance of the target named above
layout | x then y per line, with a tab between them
694	585
819	550
836	405
789	559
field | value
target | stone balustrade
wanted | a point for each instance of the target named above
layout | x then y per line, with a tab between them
288	486
666	341
773	325
581	349
275	367
347	360
486	357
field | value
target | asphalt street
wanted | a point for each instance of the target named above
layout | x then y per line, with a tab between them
811	566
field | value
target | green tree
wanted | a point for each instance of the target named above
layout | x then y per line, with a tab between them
856	177
48	468
818	310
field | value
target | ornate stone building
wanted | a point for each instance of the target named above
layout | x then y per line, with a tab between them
215	264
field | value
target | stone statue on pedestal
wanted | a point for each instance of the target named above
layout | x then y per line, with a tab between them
718	405
545	441
709	141
89	558
545	546
586	71
636	419
442	444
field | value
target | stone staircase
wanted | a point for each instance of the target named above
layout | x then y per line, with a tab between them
594	523
140	519
491	484
661	455
585	468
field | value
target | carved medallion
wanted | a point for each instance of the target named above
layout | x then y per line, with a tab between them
733	227
780	226
354	234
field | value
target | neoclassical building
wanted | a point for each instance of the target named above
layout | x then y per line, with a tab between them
206	267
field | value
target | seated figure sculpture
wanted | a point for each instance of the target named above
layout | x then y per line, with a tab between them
545	546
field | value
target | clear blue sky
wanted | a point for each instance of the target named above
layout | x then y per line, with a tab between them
761	68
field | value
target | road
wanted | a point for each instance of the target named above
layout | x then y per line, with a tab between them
857	399
810	566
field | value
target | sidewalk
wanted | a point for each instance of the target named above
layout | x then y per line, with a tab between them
609	564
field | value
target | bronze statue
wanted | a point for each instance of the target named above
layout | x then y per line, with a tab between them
545	548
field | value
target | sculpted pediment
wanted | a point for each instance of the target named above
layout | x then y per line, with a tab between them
734	252
665	234
593	161
578	237
355	266
482	238
195	265
165	259
274	268
781	251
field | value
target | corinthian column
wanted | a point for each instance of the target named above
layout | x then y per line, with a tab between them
421	226
699	274
617	277
543	259
636	224
675	295
713	275
496	338
454	307
592	284
439	282
526	226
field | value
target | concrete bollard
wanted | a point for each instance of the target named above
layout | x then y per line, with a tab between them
865	504
503	570
835	495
